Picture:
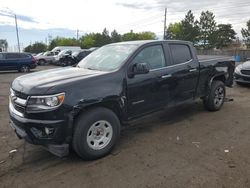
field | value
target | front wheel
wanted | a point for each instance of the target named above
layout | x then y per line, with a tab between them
96	133
215	99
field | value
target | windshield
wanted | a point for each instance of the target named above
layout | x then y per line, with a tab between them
40	54
47	53
107	58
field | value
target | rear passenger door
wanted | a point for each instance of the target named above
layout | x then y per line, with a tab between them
12	61
184	72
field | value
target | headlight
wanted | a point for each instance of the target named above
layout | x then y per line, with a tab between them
237	70
44	103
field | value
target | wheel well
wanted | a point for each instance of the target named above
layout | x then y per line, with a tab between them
220	78
111	105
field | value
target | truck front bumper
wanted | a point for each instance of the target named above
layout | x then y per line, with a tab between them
51	134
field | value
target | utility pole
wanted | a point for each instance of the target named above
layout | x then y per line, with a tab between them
77	34
165	20
17	35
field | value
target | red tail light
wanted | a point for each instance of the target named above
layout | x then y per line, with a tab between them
33	60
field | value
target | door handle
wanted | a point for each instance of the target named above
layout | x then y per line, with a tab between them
192	70
166	76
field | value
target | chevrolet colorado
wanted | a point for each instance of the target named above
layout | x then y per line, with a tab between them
84	106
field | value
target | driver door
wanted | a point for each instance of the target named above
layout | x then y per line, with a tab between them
147	92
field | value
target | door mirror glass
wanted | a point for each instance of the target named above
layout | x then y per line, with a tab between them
140	68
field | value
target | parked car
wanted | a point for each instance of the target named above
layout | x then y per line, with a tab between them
84	106
242	73
22	62
45	58
76	57
58	49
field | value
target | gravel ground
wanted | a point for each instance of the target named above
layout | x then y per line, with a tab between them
179	147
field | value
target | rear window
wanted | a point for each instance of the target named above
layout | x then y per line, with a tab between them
180	52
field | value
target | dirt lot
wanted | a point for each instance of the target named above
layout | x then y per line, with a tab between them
182	147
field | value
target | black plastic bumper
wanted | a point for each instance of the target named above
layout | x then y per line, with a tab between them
241	78
33	131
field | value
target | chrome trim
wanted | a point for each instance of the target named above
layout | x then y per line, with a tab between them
166	76
13	110
215	59
20	101
137	102
193	70
44	96
170	66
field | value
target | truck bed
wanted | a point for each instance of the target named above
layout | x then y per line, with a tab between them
204	58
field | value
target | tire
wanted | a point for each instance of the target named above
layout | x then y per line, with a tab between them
41	62
215	99
96	133
24	68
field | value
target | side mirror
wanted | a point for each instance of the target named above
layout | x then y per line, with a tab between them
139	68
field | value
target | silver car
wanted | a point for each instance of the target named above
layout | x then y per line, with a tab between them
46	57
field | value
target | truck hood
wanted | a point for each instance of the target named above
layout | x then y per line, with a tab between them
40	82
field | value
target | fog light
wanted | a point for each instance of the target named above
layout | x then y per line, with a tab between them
49	131
38	133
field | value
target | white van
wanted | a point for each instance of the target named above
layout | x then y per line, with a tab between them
58	49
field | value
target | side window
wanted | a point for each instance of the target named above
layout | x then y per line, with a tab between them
12	56
152	55
180	53
24	55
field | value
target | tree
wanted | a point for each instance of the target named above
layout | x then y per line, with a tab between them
37	47
105	37
246	34
130	36
88	40
146	35
224	36
61	41
207	26
3	44
174	31
115	37
189	28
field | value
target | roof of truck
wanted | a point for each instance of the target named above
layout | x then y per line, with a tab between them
141	42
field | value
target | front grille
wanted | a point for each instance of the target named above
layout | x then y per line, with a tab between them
18	101
19	108
246	72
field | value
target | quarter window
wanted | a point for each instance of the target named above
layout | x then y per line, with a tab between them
180	53
152	55
1	56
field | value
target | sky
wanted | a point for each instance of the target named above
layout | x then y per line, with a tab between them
39	19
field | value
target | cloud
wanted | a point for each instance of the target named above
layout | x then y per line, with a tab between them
19	17
144	6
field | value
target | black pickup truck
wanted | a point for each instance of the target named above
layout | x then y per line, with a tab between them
84	106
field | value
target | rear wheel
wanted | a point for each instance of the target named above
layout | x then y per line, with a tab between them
41	62
215	99
96	133
24	68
